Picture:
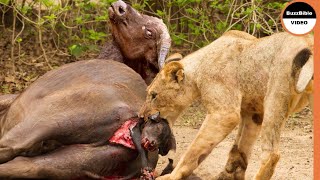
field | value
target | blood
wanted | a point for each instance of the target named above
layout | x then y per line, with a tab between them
122	135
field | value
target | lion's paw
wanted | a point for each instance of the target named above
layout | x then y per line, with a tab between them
236	175
224	176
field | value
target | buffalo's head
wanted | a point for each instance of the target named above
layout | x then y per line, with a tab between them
157	135
139	36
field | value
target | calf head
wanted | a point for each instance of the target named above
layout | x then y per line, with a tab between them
157	135
139	36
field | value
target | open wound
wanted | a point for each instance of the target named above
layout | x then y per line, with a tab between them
122	135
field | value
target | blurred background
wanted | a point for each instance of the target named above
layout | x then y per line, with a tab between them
39	35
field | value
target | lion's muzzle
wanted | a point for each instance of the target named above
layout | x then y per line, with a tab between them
148	113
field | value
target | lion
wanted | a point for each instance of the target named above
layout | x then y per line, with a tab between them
256	83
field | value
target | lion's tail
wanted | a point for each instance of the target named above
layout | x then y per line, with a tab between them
302	69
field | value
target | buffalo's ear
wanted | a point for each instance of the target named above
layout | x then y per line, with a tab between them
169	145
173	71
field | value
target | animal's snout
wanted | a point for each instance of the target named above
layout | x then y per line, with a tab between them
148	145
148	114
155	117
119	8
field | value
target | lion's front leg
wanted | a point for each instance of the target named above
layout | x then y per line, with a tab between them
213	130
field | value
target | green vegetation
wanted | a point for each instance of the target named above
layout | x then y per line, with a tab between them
195	23
40	35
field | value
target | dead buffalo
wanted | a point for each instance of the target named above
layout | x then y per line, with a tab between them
69	122
139	41
75	121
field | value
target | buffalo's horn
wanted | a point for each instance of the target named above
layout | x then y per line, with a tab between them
165	43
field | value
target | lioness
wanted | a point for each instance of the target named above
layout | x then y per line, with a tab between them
239	79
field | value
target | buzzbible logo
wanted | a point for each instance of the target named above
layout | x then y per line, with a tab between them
298	18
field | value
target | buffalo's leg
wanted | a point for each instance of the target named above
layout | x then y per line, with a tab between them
69	162
135	133
168	169
147	169
249	130
36	127
20	138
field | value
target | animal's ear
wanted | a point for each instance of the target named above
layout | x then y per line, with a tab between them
174	57
169	145
174	71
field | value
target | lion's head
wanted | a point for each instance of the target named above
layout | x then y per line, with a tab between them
168	94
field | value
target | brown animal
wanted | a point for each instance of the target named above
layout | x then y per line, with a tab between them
85	103
140	41
66	121
240	79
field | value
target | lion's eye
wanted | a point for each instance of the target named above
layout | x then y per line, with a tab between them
153	95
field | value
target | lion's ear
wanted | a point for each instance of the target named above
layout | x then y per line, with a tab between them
174	57
173	71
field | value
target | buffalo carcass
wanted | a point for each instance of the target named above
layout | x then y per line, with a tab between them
139	41
75	109
74	113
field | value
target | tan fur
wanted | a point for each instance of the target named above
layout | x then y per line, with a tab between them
174	57
239	79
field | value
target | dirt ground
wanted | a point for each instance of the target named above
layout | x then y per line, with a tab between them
296	162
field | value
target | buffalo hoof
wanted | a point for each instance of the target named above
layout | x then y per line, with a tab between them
169	168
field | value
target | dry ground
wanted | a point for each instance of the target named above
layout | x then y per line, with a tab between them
296	161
